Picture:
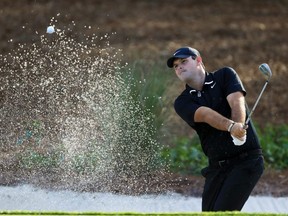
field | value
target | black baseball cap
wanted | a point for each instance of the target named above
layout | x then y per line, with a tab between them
183	52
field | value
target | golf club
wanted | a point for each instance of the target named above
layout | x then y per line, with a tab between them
265	69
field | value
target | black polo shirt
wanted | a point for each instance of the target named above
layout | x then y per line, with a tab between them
216	144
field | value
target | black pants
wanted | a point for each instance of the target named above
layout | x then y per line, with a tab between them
227	188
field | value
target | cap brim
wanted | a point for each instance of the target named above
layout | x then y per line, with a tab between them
171	60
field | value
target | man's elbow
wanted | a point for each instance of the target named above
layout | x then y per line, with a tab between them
201	114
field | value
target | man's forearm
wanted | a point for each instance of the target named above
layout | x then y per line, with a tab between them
237	103
213	118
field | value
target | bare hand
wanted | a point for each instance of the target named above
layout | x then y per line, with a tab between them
238	130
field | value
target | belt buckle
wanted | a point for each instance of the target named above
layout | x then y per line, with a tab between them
221	163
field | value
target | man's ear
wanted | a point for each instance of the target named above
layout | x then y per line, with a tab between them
199	59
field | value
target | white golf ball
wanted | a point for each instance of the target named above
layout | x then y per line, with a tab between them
50	29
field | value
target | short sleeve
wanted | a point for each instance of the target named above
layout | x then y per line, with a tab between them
232	82
186	109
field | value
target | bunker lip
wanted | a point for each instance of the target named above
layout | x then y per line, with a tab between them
272	183
29	198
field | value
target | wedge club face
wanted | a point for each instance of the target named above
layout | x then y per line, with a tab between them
265	69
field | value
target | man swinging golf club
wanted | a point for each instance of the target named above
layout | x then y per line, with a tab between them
213	104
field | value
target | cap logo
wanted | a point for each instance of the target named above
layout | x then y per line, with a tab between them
177	52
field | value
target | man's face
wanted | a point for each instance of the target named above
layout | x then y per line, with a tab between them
185	68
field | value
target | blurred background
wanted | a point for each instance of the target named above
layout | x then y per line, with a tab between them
240	34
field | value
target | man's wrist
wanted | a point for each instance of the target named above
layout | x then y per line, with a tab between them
230	126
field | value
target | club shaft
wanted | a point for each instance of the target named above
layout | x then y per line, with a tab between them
256	103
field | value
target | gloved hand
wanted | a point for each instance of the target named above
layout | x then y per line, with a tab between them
239	142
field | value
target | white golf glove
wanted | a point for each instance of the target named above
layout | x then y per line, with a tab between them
237	141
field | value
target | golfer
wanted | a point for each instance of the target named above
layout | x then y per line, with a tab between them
213	104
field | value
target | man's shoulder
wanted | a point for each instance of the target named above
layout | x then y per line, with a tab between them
182	96
223	70
224	74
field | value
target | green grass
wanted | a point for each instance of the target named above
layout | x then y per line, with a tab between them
274	141
185	156
148	84
131	213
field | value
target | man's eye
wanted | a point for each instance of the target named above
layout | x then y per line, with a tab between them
184	60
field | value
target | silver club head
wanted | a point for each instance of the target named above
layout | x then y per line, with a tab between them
265	69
